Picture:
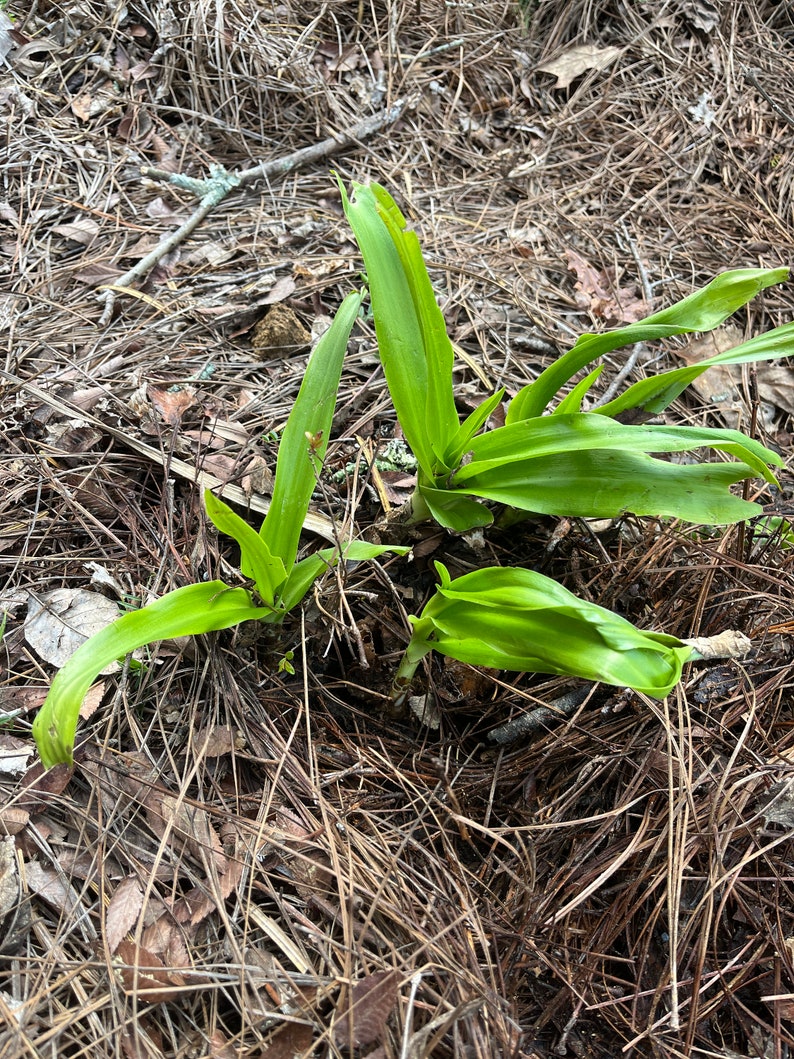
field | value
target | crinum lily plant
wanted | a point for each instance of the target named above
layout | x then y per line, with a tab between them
553	458
268	557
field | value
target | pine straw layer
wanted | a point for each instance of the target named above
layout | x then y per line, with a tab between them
245	864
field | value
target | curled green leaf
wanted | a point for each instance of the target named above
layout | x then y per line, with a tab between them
187	611
519	620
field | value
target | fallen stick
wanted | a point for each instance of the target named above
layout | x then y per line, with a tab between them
315	523
540	720
214	189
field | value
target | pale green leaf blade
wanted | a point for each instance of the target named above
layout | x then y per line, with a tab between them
187	611
362	551
520	620
453	510
607	484
300	457
587	431
306	572
572	402
397	326
413	345
440	411
469	427
655	394
702	310
266	570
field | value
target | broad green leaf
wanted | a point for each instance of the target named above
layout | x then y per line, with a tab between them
655	394
414	348
453	510
606	484
187	611
585	431
256	562
299	456
702	310
397	326
520	620
442	416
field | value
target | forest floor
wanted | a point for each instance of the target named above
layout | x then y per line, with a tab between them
249	862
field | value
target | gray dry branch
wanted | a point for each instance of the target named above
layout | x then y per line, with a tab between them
214	189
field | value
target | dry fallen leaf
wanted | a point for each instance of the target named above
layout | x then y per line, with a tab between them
60	621
222	1048
703	14
6	40
81	106
13	819
424	708
289	1040
188	827
53	887
9	878
576	61
199	902
84	230
22	699
145	976
281	289
14	754
14	911
720	384
171	405
372	1000
728	644
602	296
776	385
40	787
165	939
216	740
123	910
778	807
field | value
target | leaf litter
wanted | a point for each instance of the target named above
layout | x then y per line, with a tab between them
250	863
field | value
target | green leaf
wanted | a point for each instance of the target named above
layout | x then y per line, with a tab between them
453	510
604	484
299	459
703	310
256	562
655	394
557	434
591	466
572	402
469	427
414	348
187	611
306	572
519	620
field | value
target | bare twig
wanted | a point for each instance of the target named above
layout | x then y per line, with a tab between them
213	191
220	182
751	77
541	719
